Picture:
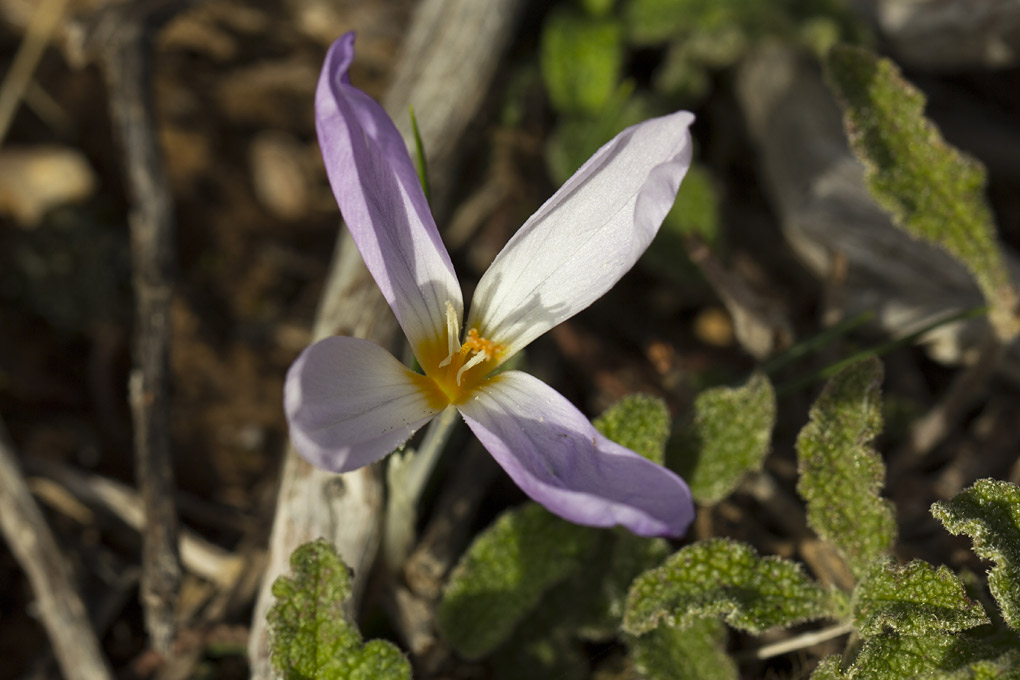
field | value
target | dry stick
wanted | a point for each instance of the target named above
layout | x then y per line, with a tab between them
199	556
802	641
60	606
451	53
19	77
121	37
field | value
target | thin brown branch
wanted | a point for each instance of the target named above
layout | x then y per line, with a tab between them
120	38
61	609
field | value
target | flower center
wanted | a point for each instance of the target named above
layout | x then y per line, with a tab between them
465	365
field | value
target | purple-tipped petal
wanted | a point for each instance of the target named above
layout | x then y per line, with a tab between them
587	236
349	403
559	459
382	202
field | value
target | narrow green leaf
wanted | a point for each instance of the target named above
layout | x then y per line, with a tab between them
727	438
419	156
640	422
505	573
932	190
989	513
840	474
719	577
310	638
914	599
696	653
581	59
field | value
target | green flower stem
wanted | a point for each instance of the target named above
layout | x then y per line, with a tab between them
407	475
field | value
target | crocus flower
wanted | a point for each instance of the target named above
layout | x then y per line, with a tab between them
350	402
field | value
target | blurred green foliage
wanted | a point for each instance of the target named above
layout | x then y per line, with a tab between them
932	190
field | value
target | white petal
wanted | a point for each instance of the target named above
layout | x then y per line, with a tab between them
381	200
557	457
349	403
587	236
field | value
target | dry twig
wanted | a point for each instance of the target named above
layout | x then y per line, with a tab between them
60	606
199	556
119	37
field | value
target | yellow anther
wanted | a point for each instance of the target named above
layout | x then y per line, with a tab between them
475	343
456	368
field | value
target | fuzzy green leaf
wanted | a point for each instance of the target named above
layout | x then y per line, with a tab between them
932	190
989	513
696	653
505	573
727	438
914	599
895	657
840	474
581	60
640	422
828	669
1006	666
719	577
311	638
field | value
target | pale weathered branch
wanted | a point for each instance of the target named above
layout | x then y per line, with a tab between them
61	609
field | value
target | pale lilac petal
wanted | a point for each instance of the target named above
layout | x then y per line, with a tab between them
587	236
555	455
349	403
382	202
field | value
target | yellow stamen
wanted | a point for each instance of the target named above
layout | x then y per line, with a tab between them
452	333
456	369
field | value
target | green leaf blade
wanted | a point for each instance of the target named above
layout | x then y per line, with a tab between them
723	578
639	422
899	657
696	653
840	474
914	599
932	190
505	573
989	513
311	638
728	438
